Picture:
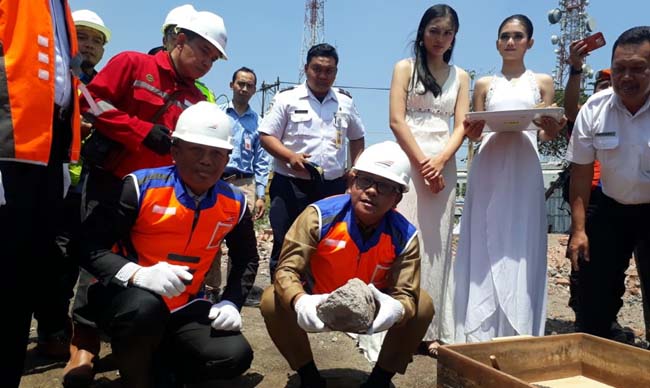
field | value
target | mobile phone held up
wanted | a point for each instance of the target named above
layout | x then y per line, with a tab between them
594	41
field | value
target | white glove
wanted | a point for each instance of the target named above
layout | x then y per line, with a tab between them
225	316
306	311
390	311
163	278
2	192
67	180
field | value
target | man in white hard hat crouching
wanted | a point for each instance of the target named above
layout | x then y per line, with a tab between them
151	253
134	103
355	235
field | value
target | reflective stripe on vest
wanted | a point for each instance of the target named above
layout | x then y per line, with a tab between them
168	229
27	63
342	254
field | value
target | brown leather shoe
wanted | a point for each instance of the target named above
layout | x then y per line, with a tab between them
84	348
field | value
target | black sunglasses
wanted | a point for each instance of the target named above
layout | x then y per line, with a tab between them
365	182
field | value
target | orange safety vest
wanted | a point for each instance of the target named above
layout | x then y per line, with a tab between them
342	254
27	74
171	228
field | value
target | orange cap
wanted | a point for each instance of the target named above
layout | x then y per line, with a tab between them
604	75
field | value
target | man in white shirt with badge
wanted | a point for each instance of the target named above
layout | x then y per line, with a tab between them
614	127
305	131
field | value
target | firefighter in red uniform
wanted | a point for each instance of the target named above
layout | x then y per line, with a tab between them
137	99
150	255
355	235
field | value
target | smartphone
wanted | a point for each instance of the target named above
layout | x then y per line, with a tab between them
594	41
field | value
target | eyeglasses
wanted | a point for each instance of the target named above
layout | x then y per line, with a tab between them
365	182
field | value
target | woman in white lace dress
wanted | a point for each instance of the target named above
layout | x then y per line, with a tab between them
500	267
426	91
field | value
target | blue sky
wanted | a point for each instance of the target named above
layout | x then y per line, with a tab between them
369	35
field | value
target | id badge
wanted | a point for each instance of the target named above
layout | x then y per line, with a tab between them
338	126
247	143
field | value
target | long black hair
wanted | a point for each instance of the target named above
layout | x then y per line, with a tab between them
420	52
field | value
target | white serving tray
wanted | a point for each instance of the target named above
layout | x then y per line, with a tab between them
514	120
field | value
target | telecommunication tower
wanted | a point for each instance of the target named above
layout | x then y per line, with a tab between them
314	31
575	24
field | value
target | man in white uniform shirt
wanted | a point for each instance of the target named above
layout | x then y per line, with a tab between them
614	127
308	125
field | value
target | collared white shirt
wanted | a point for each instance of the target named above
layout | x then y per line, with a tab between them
305	125
607	131
62	75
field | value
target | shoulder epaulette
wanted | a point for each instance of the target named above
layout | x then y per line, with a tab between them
345	92
285	89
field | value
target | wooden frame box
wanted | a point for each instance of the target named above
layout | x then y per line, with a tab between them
551	361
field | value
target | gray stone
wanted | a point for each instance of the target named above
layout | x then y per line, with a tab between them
349	308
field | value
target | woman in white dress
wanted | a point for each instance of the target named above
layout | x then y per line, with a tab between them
426	91
500	267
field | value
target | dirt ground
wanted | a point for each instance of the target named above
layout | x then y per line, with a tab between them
335	353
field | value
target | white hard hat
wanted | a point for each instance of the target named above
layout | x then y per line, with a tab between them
387	160
205	123
178	15
209	26
87	18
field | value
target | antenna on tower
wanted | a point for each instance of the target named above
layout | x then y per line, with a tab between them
575	24
314	31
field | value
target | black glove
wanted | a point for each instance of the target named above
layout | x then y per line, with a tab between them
159	139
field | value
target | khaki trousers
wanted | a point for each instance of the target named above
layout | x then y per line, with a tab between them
213	278
396	352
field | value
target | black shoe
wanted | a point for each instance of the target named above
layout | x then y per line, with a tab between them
314	384
310	377
620	334
254	296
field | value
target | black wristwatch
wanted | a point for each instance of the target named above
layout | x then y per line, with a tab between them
575	71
